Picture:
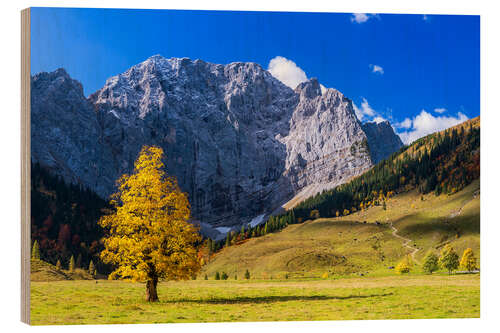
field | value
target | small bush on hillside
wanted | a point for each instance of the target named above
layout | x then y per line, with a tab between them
217	276
314	214
247	275
224	276
404	266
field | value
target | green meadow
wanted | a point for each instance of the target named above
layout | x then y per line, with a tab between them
390	297
326	269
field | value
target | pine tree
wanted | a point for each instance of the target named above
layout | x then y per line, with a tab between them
469	261
448	259
430	263
209	246
79	261
217	276
247	275
228	239
206	277
72	264
35	251
58	264
92	270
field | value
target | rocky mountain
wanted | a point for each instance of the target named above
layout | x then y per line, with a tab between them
239	141
381	140
66	137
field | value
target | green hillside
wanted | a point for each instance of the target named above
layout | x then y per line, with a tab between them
357	244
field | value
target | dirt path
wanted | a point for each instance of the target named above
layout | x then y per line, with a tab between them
406	243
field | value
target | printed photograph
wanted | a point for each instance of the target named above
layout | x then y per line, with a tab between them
223	166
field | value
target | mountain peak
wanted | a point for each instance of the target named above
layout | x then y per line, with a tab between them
309	89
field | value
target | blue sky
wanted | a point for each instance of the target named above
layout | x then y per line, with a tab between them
421	72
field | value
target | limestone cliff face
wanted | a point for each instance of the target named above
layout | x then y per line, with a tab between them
65	133
239	141
382	140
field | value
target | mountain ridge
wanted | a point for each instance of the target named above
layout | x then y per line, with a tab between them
239	141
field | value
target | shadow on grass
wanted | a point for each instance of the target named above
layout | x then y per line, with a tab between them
465	224
271	299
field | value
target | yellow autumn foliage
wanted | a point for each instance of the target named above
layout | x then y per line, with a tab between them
468	261
149	236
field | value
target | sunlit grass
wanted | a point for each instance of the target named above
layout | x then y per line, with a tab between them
356	243
395	297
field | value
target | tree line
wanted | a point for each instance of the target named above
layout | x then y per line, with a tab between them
64	220
448	260
443	163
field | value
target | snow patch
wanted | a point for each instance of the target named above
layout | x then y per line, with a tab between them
223	230
257	220
115	114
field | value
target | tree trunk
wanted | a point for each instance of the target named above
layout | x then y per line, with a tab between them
151	294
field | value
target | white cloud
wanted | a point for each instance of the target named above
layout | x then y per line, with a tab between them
359	17
286	71
425	123
405	123
378	119
365	110
362	17
440	110
376	69
357	111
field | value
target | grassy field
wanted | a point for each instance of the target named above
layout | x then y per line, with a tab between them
392	297
285	271
356	243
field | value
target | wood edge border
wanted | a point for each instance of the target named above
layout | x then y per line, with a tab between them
25	164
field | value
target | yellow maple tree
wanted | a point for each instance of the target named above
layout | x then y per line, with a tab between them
148	234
